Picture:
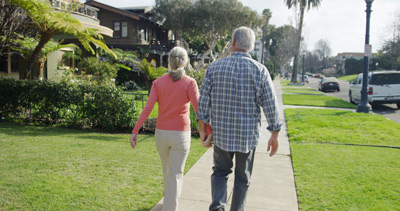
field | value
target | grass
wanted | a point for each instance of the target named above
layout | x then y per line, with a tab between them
316	100
343	127
43	168
341	162
303	90
348	77
306	96
332	177
285	83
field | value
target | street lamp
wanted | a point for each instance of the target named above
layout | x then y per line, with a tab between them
364	105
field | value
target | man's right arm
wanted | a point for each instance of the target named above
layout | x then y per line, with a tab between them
273	143
203	112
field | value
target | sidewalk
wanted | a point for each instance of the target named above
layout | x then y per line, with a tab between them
272	186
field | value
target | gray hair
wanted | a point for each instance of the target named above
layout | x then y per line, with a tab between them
244	38
177	61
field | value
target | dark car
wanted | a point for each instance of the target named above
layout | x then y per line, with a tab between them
329	83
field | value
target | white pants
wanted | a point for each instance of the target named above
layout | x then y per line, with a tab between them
173	148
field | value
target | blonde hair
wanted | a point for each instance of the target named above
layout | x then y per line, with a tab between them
177	61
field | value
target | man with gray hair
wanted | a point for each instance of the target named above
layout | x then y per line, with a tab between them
232	94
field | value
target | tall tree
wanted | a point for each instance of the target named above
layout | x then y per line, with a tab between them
302	4
285	46
50	22
323	51
266	17
216	19
391	46
13	21
174	15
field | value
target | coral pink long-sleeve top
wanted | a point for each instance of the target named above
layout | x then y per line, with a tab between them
173	103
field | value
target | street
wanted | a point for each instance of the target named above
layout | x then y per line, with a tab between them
389	111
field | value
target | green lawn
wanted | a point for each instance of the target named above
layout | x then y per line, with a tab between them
285	83
302	90
343	160
316	100
44	168
348	77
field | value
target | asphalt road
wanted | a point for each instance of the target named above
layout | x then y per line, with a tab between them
389	111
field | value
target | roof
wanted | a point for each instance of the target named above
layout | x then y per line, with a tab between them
121	11
113	9
145	9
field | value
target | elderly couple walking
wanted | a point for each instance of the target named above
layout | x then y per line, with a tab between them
233	92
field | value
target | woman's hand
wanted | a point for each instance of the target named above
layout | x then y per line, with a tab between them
133	140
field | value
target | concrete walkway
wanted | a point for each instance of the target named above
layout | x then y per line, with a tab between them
272	186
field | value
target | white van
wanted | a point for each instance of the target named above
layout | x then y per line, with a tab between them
383	88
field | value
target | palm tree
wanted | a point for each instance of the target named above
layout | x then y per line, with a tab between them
50	22
302	4
266	17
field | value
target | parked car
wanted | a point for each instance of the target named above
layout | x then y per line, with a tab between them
305	78
329	83
383	88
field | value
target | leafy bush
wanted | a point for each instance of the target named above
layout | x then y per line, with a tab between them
73	104
197	75
102	72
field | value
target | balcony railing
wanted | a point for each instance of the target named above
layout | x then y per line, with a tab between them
169	44
75	7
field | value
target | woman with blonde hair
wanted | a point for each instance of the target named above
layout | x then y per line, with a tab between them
173	92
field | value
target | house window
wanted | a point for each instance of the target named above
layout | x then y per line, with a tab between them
120	29
124	29
141	33
117	30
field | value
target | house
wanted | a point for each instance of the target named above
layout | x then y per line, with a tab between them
340	59
133	30
14	65
258	50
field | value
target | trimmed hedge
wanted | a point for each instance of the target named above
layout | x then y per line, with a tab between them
76	105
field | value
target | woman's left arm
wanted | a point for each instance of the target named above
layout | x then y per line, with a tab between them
193	93
143	116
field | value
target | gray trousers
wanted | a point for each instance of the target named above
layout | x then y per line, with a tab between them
223	163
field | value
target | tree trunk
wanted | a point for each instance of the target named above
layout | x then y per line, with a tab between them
205	54
226	50
296	56
40	66
35	55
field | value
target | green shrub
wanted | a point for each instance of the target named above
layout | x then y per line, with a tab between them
72	104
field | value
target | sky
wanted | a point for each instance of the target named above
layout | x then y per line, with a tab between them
340	22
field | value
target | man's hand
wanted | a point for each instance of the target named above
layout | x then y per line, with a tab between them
205	136
273	143
202	130
133	140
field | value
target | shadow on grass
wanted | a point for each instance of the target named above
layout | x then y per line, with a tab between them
339	103
27	130
43	131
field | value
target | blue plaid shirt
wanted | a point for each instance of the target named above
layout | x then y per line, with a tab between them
232	94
